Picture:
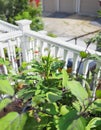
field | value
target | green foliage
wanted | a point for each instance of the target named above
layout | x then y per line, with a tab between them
4	103
97	40
3	62
34	14
21	9
93	123
96	106
6	88
83	54
9	9
51	35
51	99
13	121
71	121
75	88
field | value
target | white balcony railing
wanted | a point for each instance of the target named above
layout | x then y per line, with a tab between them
29	41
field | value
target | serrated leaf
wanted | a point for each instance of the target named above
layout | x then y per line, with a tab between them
77	106
34	125
6	88
96	105
93	123
64	110
37	99
25	93
13	121
51	108
52	97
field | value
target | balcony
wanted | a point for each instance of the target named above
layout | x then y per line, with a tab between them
12	37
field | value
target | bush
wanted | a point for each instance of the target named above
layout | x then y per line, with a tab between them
21	9
47	100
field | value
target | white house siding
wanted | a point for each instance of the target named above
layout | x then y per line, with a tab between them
49	5
68	6
85	7
89	7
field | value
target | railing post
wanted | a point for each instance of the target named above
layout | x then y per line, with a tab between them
24	25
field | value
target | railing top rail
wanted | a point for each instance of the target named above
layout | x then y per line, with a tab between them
10	35
58	42
9	25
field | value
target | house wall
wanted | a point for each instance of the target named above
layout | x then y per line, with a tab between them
67	6
86	7
49	5
89	7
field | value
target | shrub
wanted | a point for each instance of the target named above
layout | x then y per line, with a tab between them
44	98
21	9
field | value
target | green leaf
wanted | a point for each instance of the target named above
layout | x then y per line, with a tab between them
6	88
98	94
64	110
26	93
78	91
13	121
71	121
87	87
33	124
52	97
51	108
24	65
65	77
77	106
96	105
83	54
95	57
4	103
37	99
4	62
93	123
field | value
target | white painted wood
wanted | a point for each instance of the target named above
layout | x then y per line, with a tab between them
24	24
31	41
75	62
2	55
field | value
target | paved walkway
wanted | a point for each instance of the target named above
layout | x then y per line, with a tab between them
70	25
67	27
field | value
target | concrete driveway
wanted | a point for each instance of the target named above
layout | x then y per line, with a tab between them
64	25
67	26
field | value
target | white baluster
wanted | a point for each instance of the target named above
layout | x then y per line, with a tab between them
75	62
49	47
65	57
12	54
85	70
24	25
56	51
18	40
41	47
3	56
